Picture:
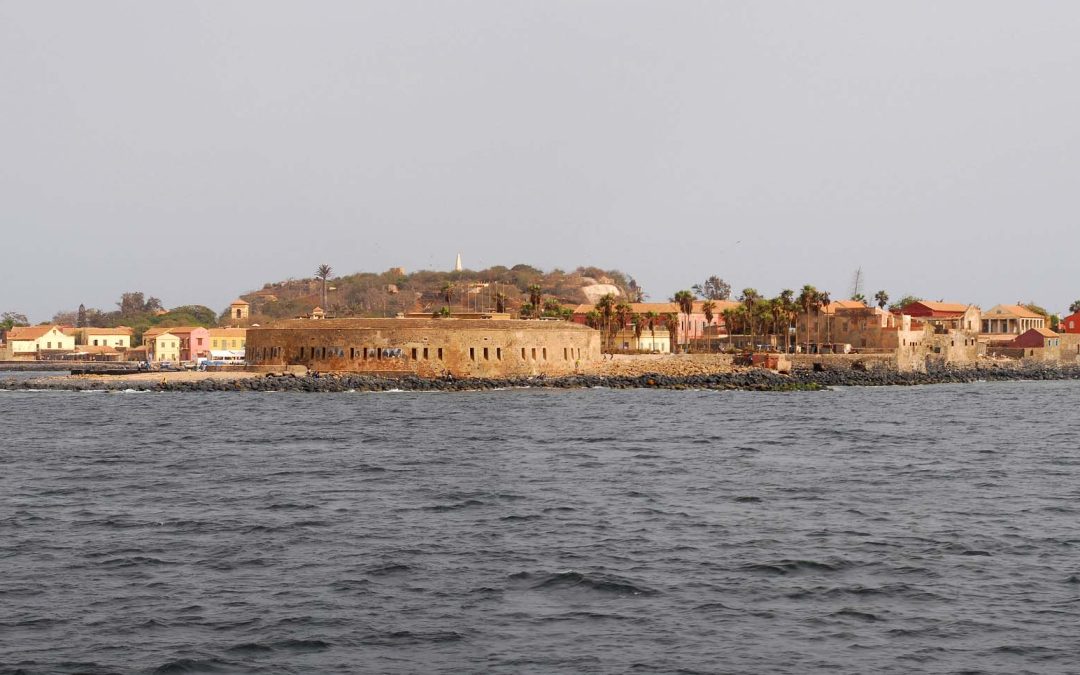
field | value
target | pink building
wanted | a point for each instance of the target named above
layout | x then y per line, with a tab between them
194	341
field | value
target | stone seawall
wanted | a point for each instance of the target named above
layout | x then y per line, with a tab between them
753	379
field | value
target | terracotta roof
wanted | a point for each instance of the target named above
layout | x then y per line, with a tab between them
175	330
95	349
119	330
943	306
156	331
227	332
28	332
239	301
843	304
1045	332
1013	310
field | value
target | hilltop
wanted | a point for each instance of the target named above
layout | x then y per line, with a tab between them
386	293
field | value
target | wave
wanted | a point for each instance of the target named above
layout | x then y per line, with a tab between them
578	581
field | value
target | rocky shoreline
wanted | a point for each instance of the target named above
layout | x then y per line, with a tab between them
750	379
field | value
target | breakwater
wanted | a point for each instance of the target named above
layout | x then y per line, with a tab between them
751	379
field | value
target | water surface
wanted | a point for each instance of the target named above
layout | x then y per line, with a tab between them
923	529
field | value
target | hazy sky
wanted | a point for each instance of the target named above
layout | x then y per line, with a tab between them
194	150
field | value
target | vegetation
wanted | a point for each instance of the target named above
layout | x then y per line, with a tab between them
139	313
881	298
1075	307
904	302
498	288
713	288
9	320
685	301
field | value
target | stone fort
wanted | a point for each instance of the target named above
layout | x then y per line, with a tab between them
426	347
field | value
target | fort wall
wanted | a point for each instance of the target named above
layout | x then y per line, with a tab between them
426	347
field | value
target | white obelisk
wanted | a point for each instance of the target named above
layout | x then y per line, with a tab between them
457	265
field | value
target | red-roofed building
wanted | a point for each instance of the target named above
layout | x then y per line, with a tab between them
1071	323
1011	320
945	315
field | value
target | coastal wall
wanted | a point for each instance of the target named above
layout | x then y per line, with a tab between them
426	347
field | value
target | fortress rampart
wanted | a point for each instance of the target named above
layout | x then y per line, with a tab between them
426	347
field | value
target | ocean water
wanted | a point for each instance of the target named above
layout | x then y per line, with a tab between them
924	529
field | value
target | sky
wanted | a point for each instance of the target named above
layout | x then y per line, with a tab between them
196	150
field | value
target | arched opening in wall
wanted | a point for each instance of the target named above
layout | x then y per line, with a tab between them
498	353
486	357
522	353
534	353
472	353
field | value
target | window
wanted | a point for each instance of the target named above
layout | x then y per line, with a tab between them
486	357
522	353
545	353
425	353
498	353
414	353
48	345
565	354
472	353
534	353
440	353
352	353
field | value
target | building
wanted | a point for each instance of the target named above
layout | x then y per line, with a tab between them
426	347
117	338
1036	338
239	310
1010	320
161	345
194	341
945	315
656	339
232	340
1071	323
38	342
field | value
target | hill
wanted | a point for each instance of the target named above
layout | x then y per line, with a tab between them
385	294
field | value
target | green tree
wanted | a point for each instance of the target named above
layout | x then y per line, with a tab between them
9	320
824	301
323	272
808	297
904	302
713	288
685	301
536	296
623	312
882	299
749	298
671	322
606	307
1075	307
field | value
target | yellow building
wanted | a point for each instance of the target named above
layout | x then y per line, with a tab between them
29	340
161	345
231	339
118	338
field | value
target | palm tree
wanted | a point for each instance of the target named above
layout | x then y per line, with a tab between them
786	300
536	297
638	321
807	298
708	308
447	291
881	298
824	301
606	307
652	318
671	322
749	298
729	322
323	272
593	319
623	312
685	301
